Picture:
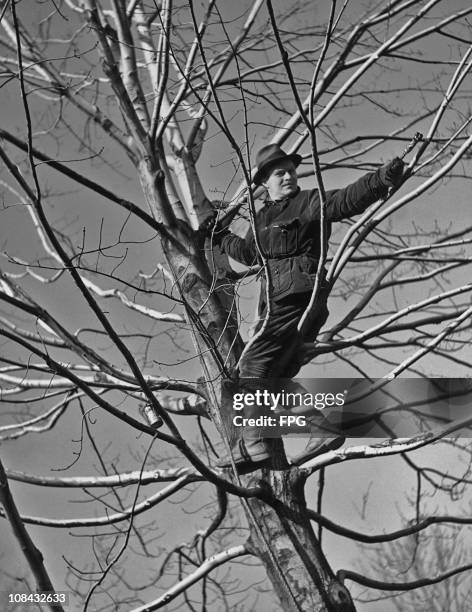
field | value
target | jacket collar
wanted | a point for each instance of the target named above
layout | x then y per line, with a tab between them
284	202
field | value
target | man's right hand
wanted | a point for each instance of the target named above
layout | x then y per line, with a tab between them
214	228
208	224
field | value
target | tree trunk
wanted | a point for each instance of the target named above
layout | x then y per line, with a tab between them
280	531
281	534
282	537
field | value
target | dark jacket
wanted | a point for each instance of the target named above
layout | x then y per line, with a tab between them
289	232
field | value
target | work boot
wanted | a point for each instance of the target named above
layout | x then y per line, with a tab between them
295	407
248	455
317	446
320	439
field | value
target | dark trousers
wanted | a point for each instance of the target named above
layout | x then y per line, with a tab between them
276	352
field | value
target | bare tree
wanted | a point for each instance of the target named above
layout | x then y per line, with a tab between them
126	125
440	549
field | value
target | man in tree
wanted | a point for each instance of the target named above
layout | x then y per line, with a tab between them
288	231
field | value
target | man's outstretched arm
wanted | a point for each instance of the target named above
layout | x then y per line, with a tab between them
358	196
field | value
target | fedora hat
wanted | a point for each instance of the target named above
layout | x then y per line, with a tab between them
267	156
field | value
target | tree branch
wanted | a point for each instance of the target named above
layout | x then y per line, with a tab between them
32	554
205	568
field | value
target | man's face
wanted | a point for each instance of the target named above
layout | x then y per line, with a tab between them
281	180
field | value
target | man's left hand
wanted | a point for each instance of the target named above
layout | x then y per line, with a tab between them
391	174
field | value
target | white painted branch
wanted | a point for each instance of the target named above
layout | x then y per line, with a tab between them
36	223
138	134
28	425
52	341
34	65
450	327
205	568
344	251
383	325
189	405
428	347
46	71
443	244
132	7
117	480
129	69
149	312
110	519
427	184
440	151
288	128
74	7
47	424
105	293
385	448
456	80
417	35
159	268
295	120
56	382
231	51
183	77
402	280
23	383
182	164
348	83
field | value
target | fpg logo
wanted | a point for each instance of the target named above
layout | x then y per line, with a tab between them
292	420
